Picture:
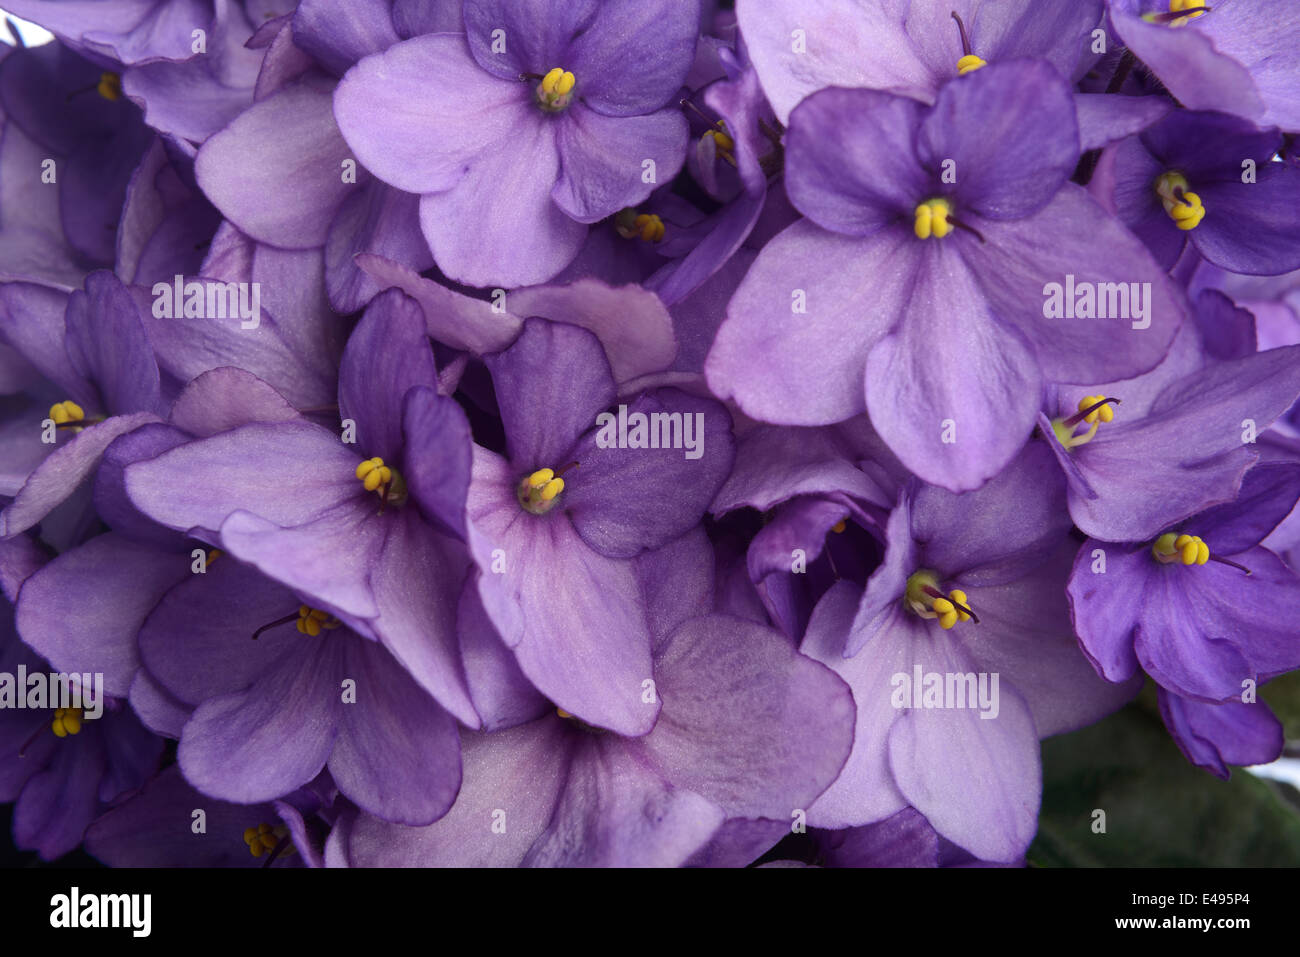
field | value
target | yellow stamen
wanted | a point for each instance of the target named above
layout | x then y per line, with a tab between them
555	91
66	411
1102	413
312	620
109	86
377	477
969	64
932	219
1183	207
540	491
649	227
1191	9
1175	547
919	598
838	527
263	839
66	721
720	136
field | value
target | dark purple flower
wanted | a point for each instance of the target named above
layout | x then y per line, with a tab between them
1210	180
1235	56
1201	607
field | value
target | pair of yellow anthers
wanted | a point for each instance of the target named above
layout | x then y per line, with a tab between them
1174	547
932	219
1191	9
66	721
312	620
1183	207
61	413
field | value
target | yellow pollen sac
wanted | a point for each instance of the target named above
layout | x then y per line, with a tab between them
1183	207
540	492
263	839
924	597
109	86
932	219
66	411
649	227
838	527
1176	547
556	90
66	721
1103	413
1191	9
312	620
720	137
1064	428
374	473
969	64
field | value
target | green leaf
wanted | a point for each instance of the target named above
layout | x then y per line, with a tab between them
1283	696
1161	811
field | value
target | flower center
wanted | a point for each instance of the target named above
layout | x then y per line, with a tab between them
109	86
382	479
67	412
1173	547
1181	13
1184	208
309	621
645	226
264	839
932	219
555	92
1094	410
540	492
312	620
924	597
1179	547
66	721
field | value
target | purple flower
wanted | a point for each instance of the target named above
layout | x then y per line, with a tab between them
93	347
1235	56
280	691
1209	180
960	214
542	118
61	767
967	602
158	827
357	521
1179	441
800	47
749	729
1202	607
553	525
1212	736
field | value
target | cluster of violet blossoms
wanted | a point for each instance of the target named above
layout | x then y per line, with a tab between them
635	432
